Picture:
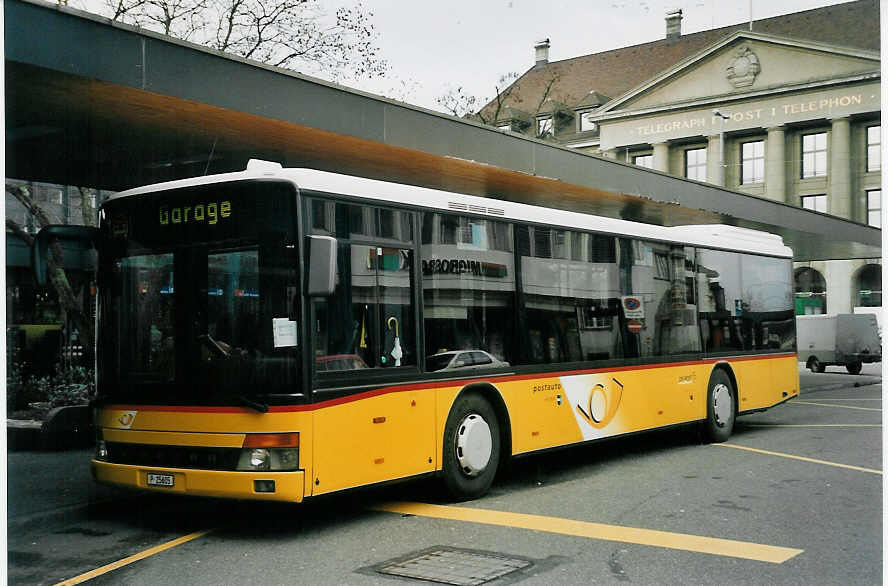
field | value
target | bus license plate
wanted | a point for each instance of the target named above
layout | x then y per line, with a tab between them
160	479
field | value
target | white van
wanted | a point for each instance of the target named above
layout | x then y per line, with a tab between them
843	339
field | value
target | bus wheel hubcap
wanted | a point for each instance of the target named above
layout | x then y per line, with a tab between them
722	406
473	445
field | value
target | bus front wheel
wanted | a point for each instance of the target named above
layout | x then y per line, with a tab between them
720	407
471	448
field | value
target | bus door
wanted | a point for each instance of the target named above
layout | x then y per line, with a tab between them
367	429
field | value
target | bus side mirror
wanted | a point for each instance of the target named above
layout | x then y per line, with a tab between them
86	236
321	265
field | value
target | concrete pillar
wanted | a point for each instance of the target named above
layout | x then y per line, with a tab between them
775	165
839	196
839	286
661	157
714	161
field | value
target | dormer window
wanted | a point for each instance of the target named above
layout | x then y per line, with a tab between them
544	127
586	123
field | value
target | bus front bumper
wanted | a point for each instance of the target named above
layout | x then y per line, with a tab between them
287	486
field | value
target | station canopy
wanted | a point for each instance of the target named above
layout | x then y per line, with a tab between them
98	104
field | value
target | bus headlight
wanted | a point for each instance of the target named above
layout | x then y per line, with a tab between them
269	452
259	459
101	447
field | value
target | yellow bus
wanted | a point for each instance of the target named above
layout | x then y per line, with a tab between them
285	333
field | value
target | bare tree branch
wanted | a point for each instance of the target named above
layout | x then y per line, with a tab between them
296	34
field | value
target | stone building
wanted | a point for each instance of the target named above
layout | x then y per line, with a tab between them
784	108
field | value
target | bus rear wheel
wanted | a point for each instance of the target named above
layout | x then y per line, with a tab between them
720	407
854	367
471	448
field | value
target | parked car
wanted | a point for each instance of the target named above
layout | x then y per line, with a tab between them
844	339
462	359
339	362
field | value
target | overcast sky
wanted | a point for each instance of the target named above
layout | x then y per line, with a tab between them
434	45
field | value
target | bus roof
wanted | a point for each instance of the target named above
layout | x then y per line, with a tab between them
707	235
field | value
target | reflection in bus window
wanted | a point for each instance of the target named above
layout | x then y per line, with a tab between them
369	318
468	278
233	299
670	321
349	221
746	302
571	285
146	311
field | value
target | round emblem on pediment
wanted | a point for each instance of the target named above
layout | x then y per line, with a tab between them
744	67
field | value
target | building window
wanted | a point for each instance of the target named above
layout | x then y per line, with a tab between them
868	285
544	127
586	123
646	161
814	202
810	292
874	207
873	149
752	162
695	164
814	155
661	266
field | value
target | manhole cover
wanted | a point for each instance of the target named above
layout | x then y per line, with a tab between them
454	566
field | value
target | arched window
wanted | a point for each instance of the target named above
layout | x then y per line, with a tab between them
868	286
810	291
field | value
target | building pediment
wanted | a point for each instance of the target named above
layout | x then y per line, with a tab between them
745	62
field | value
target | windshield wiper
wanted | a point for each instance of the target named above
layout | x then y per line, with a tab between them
255	405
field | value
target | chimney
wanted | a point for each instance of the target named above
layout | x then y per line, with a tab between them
542	53
673	24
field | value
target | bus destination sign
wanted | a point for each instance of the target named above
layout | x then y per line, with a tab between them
209	212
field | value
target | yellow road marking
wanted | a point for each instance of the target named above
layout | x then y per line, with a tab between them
711	545
802	458
811	424
862	399
836	406
133	558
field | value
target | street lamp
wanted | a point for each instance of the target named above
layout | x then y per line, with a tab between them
721	145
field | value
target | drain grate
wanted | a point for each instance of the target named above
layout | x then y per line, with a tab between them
460	567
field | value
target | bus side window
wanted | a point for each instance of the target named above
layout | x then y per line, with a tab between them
468	281
368	321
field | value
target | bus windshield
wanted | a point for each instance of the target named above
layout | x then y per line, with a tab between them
198	314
